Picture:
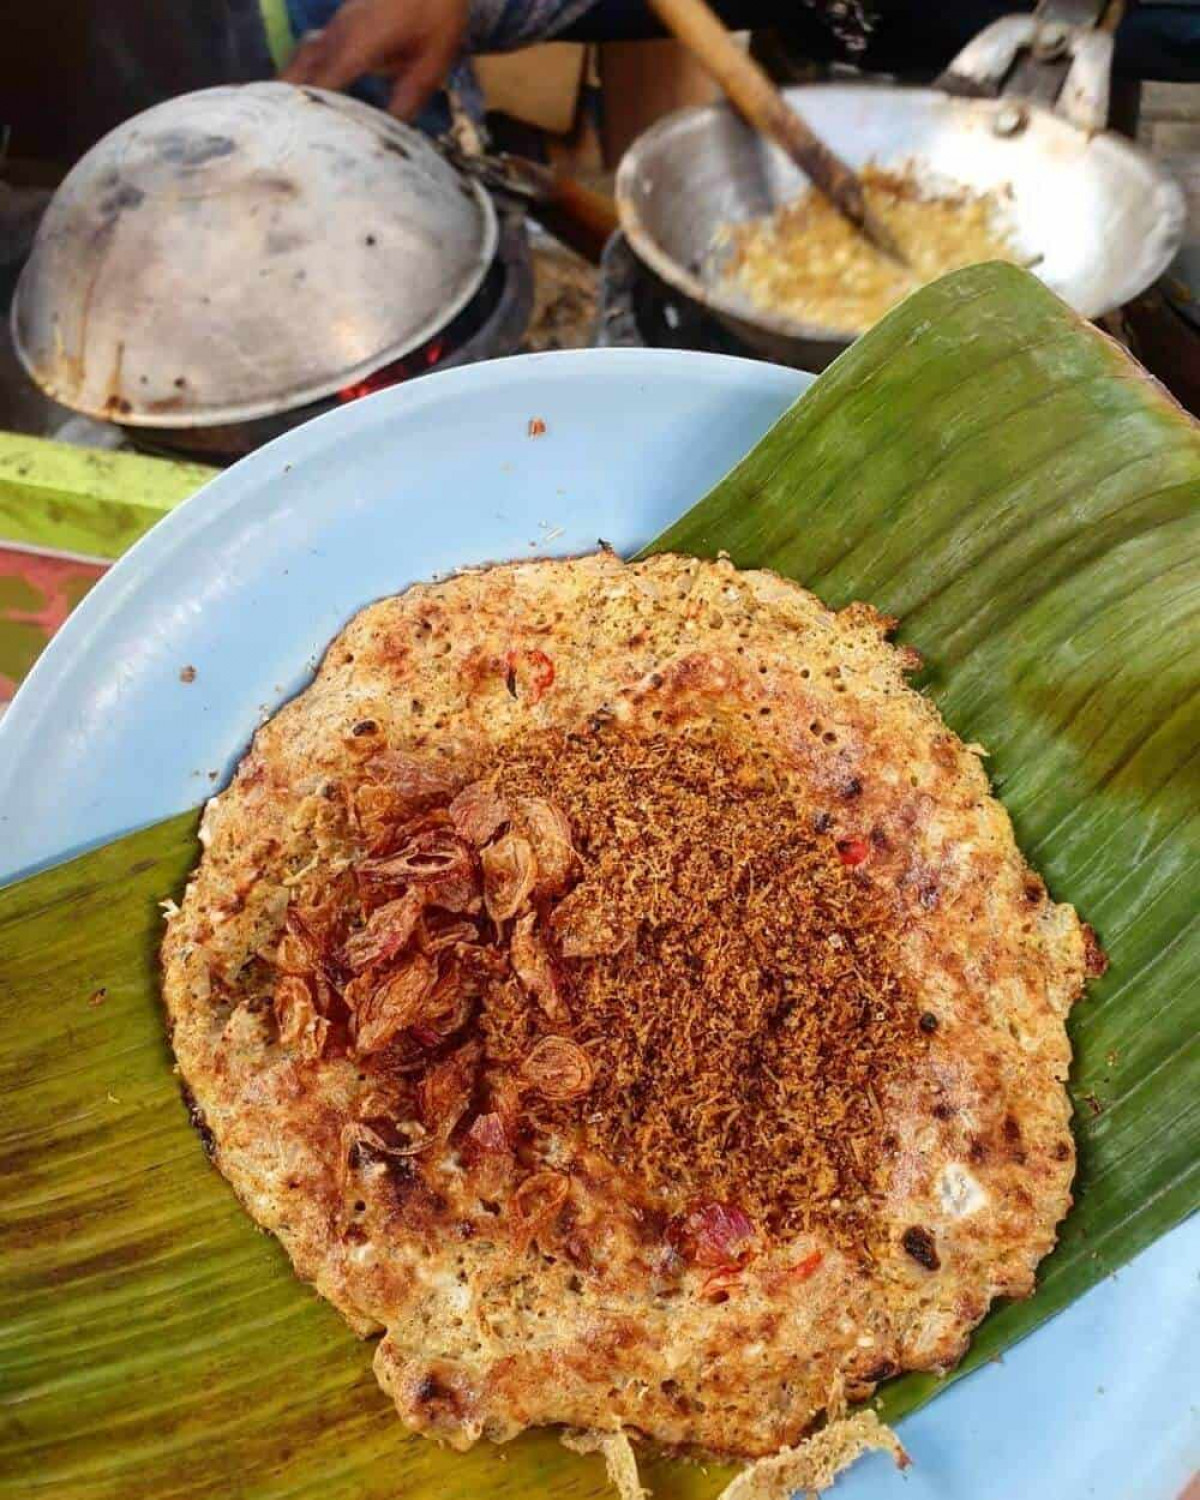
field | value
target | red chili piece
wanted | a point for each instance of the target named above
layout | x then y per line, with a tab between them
807	1267
540	671
853	851
723	1280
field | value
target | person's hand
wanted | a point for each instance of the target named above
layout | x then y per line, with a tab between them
416	41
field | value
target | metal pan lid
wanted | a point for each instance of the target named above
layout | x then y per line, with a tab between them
244	250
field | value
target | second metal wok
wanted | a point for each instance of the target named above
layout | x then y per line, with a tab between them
1098	217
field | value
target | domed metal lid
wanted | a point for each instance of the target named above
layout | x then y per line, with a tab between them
241	251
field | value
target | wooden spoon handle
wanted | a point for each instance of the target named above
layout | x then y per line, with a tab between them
749	88
578	215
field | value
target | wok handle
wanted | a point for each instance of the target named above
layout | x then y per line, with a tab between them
761	103
577	215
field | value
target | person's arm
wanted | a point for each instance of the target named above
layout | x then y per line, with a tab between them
416	42
413	41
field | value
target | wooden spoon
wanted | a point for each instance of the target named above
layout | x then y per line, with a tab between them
762	105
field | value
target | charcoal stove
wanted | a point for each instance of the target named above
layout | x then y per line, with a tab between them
638	310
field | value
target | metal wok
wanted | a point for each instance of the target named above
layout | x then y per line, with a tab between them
1098	216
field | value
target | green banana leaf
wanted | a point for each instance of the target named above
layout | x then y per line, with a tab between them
982	465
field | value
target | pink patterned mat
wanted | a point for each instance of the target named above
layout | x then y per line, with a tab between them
38	590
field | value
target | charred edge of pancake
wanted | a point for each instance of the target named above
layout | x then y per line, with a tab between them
198	1121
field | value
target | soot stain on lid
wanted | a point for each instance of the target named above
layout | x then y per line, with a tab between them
183	149
279	242
124	195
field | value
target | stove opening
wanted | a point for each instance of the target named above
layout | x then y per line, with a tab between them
461	328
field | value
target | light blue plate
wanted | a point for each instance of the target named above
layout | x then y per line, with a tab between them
247	583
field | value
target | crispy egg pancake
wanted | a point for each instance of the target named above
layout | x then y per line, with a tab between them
616	986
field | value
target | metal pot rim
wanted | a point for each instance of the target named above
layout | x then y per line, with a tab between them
676	274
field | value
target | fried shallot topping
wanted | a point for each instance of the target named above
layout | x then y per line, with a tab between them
636	946
558	1069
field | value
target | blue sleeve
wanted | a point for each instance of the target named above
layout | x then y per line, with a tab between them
502	25
311	15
